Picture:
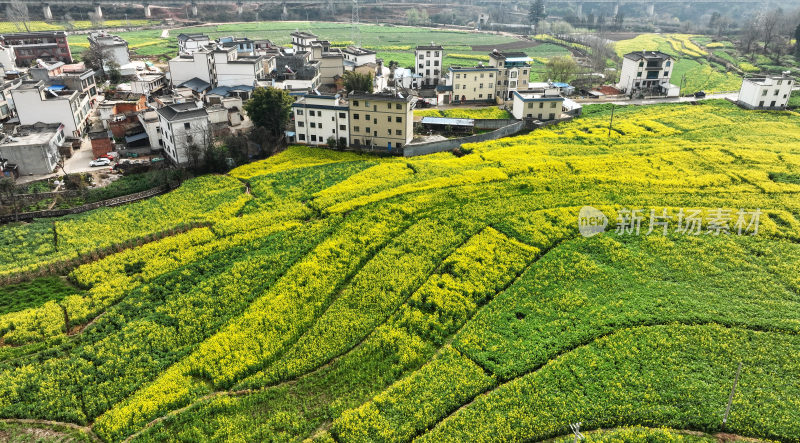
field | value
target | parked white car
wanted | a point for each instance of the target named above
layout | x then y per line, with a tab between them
100	162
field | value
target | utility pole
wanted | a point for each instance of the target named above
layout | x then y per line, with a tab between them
355	33
611	122
730	398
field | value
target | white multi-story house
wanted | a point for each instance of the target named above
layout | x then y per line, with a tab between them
35	102
233	69
359	56
513	72
646	71
771	92
199	64
540	106
116	49
428	61
184	131
191	43
149	83
320	117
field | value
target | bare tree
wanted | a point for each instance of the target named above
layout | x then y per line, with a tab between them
17	12
749	35
97	58
769	23
97	20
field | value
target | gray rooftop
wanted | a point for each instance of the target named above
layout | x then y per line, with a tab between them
182	111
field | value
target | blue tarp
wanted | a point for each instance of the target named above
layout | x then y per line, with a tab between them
135	137
57	87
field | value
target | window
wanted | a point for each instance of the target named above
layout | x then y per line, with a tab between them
458	75
366	117
427	62
398	106
311	113
320	125
355	117
428	53
189	139
355	102
641	64
481	74
398	119
480	95
530	105
764	92
480	86
313	125
776	92
491	75
638	74
541	105
355	128
313	138
772	104
388	105
666	73
342	127
398	132
389	119
187	125
761	104
333	118
552	104
552	116
342	115
513	74
299	111
389	132
489	96
436	63
375	108
367	131
300	124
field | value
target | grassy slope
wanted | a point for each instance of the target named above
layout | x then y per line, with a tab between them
527	189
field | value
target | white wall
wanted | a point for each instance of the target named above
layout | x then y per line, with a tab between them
426	65
182	69
331	120
630	68
7	58
764	93
32	109
235	74
175	137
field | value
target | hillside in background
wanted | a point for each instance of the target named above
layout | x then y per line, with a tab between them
331	296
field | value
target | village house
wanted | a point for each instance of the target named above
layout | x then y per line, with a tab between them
513	72
185	132
116	49
36	102
647	72
149	83
199	64
233	69
545	106
320	117
44	45
190	43
429	64
381	120
770	92
472	84
33	148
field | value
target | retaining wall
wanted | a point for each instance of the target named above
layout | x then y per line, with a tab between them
448	145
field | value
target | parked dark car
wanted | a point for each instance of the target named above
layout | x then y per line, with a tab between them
700	94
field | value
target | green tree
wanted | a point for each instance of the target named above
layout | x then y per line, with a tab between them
561	69
270	108
797	41
357	82
536	14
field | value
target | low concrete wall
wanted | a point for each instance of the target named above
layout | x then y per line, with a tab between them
448	145
497	123
130	198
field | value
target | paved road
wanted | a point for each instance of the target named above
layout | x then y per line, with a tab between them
652	101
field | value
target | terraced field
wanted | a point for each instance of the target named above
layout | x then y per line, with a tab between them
328	296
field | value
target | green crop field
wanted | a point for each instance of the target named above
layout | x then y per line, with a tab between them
331	296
